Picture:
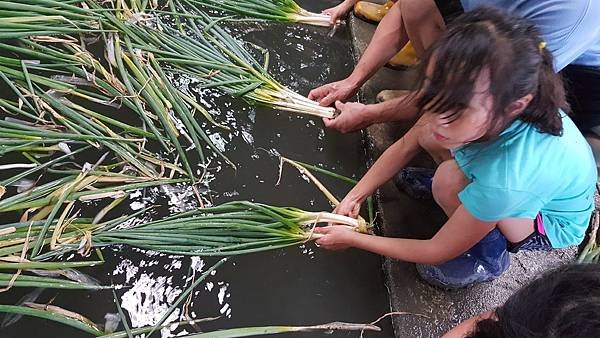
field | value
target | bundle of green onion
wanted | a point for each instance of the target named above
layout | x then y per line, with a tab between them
275	10
232	228
229	229
219	60
53	77
28	18
591	251
92	186
61	81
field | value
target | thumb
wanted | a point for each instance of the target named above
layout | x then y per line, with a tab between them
355	210
321	241
328	122
325	241
339	105
322	230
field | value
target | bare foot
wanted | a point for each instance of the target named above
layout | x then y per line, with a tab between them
386	95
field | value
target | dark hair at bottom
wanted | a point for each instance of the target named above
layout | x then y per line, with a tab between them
564	302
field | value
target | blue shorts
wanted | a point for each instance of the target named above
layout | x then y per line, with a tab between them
485	261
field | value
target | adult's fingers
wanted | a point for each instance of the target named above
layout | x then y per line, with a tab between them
355	210
329	99
333	18
324	241
328	122
322	230
318	93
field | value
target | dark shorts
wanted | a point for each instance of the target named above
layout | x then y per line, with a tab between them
485	261
449	9
583	94
534	242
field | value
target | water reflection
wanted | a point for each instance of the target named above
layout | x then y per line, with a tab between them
151	286
281	287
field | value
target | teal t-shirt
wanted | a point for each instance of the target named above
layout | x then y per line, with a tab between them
523	172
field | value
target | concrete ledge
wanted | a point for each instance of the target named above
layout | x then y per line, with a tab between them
402	216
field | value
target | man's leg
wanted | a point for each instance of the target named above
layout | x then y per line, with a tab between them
424	15
424	21
583	93
594	140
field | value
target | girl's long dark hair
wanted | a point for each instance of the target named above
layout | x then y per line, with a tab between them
562	303
511	51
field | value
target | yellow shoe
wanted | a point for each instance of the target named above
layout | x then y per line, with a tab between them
370	11
406	57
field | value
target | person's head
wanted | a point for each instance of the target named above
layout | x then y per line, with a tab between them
562	303
486	70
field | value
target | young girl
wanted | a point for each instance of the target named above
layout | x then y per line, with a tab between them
514	172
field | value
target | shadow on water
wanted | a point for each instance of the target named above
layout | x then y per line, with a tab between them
294	286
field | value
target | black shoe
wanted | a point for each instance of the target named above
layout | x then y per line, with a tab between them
416	182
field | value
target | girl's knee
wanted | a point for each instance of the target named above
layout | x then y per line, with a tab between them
448	181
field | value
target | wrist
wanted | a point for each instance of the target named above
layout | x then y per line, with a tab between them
353	239
356	79
348	4
372	113
357	196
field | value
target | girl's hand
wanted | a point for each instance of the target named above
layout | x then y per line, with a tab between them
339	12
337	237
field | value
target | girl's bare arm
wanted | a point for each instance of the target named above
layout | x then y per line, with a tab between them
389	163
461	232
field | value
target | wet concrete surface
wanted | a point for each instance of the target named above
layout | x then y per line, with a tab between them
402	216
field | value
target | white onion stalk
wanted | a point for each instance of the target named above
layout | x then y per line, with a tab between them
232	228
273	10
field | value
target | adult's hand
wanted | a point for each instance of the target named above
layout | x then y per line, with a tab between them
327	94
352	116
340	11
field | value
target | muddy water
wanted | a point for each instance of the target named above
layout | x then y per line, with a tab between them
294	286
